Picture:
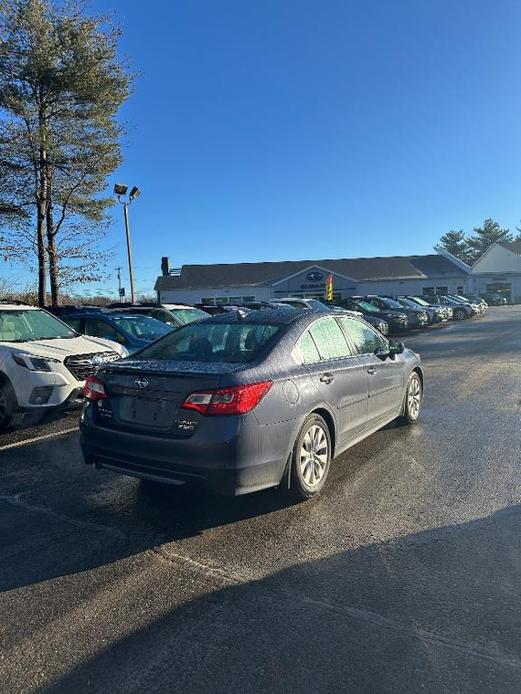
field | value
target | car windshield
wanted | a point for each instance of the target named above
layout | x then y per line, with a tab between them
142	327
419	300
212	342
28	325
367	306
391	303
407	302
187	315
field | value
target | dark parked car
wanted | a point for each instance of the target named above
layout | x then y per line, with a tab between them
424	303
396	320
416	316
248	402
435	314
134	331
493	299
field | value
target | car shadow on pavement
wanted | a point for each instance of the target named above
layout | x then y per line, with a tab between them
436	611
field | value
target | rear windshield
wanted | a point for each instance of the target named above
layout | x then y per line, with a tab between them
142	327
187	315
212	342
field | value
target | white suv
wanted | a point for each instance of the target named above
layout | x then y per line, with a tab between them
43	362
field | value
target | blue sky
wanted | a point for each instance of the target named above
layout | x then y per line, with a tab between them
294	129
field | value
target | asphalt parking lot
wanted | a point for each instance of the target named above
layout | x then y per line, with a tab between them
404	576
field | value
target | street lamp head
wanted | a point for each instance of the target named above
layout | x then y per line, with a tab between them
135	193
120	189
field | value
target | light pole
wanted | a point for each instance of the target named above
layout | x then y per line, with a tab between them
120	190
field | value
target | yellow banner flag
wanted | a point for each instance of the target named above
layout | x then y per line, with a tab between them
329	287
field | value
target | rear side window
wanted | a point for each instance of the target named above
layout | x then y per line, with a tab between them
306	351
209	342
365	339
329	339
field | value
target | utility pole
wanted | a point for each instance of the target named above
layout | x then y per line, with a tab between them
120	190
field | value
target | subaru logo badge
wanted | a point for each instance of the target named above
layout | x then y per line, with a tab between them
141	383
315	276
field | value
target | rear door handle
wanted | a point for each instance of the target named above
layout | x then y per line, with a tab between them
371	371
327	378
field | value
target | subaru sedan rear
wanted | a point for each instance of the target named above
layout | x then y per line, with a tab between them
245	401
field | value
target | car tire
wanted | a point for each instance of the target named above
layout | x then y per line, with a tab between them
413	399
8	405
459	314
311	458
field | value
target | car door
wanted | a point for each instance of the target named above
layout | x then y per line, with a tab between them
385	376
338	375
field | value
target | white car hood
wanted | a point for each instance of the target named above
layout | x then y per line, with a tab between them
61	348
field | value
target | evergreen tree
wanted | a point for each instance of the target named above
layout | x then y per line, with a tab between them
484	237
455	243
61	85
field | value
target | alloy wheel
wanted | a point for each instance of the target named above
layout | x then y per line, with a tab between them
313	456
414	396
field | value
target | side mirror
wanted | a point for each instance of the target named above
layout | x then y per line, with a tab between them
395	348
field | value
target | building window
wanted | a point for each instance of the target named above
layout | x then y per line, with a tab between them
234	299
460	290
442	290
220	300
428	290
208	301
248	299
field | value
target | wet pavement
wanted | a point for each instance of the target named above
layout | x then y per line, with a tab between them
404	576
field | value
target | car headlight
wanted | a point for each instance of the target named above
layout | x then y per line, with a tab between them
397	315
31	363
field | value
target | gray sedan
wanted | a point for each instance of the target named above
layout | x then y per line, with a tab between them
244	401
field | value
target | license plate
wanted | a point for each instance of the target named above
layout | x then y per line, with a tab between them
149	413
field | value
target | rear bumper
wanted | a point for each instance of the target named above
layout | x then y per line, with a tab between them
243	458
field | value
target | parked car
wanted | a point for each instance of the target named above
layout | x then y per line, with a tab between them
475	299
416	316
494	299
396	320
153	310
242	403
317	305
423	302
185	313
133	330
478	304
460	310
297	302
43	362
434	314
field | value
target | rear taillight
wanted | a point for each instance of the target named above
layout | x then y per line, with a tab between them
94	389
236	400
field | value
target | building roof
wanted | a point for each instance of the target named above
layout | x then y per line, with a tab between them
357	269
514	246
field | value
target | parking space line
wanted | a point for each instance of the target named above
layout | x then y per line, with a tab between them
35	439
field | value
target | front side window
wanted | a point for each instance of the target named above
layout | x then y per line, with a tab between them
365	339
28	325
209	342
329	339
99	328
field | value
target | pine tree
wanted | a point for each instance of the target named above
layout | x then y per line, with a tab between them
61	85
455	243
484	237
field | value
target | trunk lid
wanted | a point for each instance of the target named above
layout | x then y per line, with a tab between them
147	396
